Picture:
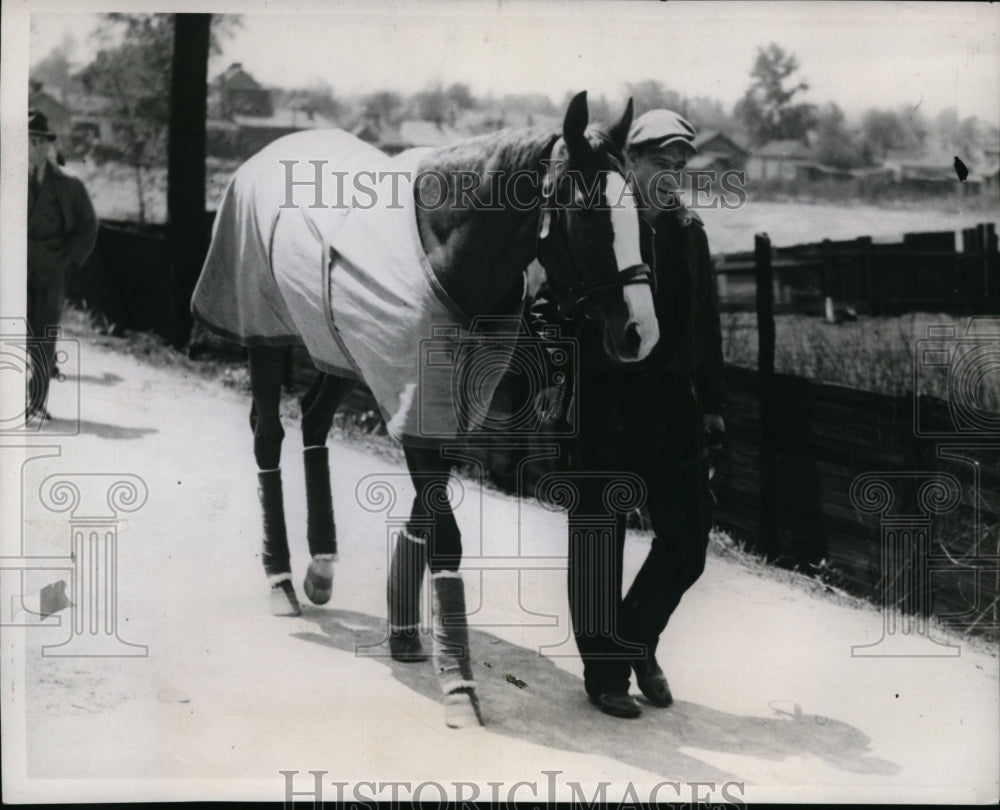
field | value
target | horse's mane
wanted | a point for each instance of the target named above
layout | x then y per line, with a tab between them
512	149
506	150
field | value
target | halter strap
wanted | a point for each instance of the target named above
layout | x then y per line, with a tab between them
580	292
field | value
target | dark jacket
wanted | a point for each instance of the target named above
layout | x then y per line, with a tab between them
62	226
687	311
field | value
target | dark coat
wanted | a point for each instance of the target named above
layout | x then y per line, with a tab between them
62	226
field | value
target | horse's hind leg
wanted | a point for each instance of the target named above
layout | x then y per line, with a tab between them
318	407
433	520
266	366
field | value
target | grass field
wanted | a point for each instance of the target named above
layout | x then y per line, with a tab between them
873	353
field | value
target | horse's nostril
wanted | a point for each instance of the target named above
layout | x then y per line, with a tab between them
632	337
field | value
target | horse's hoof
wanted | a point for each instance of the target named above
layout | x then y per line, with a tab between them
461	710
318	583
405	646
282	599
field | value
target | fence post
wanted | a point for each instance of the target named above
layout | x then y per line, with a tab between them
768	523
991	264
865	281
826	271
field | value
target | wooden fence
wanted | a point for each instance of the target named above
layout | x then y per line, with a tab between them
924	271
793	484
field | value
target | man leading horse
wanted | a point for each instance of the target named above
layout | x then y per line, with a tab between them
655	419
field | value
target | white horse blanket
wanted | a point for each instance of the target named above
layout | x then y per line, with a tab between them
316	244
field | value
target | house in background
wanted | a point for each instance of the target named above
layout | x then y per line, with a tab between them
718	152
243	119
236	92
779	160
407	134
257	131
58	114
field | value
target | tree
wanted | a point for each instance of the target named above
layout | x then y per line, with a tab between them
882	131
132	72
318	97
460	96
650	94
433	104
384	106
55	68
836	144
767	109
708	114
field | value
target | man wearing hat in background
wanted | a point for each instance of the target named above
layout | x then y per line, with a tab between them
62	230
656	419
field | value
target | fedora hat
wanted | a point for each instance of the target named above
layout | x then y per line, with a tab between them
38	124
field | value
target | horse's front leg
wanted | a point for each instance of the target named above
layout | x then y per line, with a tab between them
432	520
266	370
318	407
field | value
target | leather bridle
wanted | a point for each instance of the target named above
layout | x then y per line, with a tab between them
580	292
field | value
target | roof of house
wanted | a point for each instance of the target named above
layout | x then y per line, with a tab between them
705	138
235	77
286	119
784	149
47	102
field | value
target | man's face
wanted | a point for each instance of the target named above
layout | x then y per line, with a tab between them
658	174
38	150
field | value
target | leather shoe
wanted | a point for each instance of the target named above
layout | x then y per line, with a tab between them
617	704
652	682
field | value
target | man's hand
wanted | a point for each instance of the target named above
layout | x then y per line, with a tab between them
715	437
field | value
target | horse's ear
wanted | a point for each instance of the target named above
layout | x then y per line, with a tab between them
619	132
575	122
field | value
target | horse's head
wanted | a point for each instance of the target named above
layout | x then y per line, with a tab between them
589	234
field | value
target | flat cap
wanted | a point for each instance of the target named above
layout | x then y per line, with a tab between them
658	128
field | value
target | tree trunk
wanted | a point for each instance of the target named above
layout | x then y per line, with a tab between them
186	217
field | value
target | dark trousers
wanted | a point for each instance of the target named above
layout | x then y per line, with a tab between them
46	294
651	428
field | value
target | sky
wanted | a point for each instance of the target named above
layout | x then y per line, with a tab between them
858	55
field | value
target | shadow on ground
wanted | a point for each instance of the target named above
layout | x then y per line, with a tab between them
101	430
552	710
107	379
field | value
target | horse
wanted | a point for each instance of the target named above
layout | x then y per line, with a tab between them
360	285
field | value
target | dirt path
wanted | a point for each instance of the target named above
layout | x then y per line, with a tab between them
768	692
